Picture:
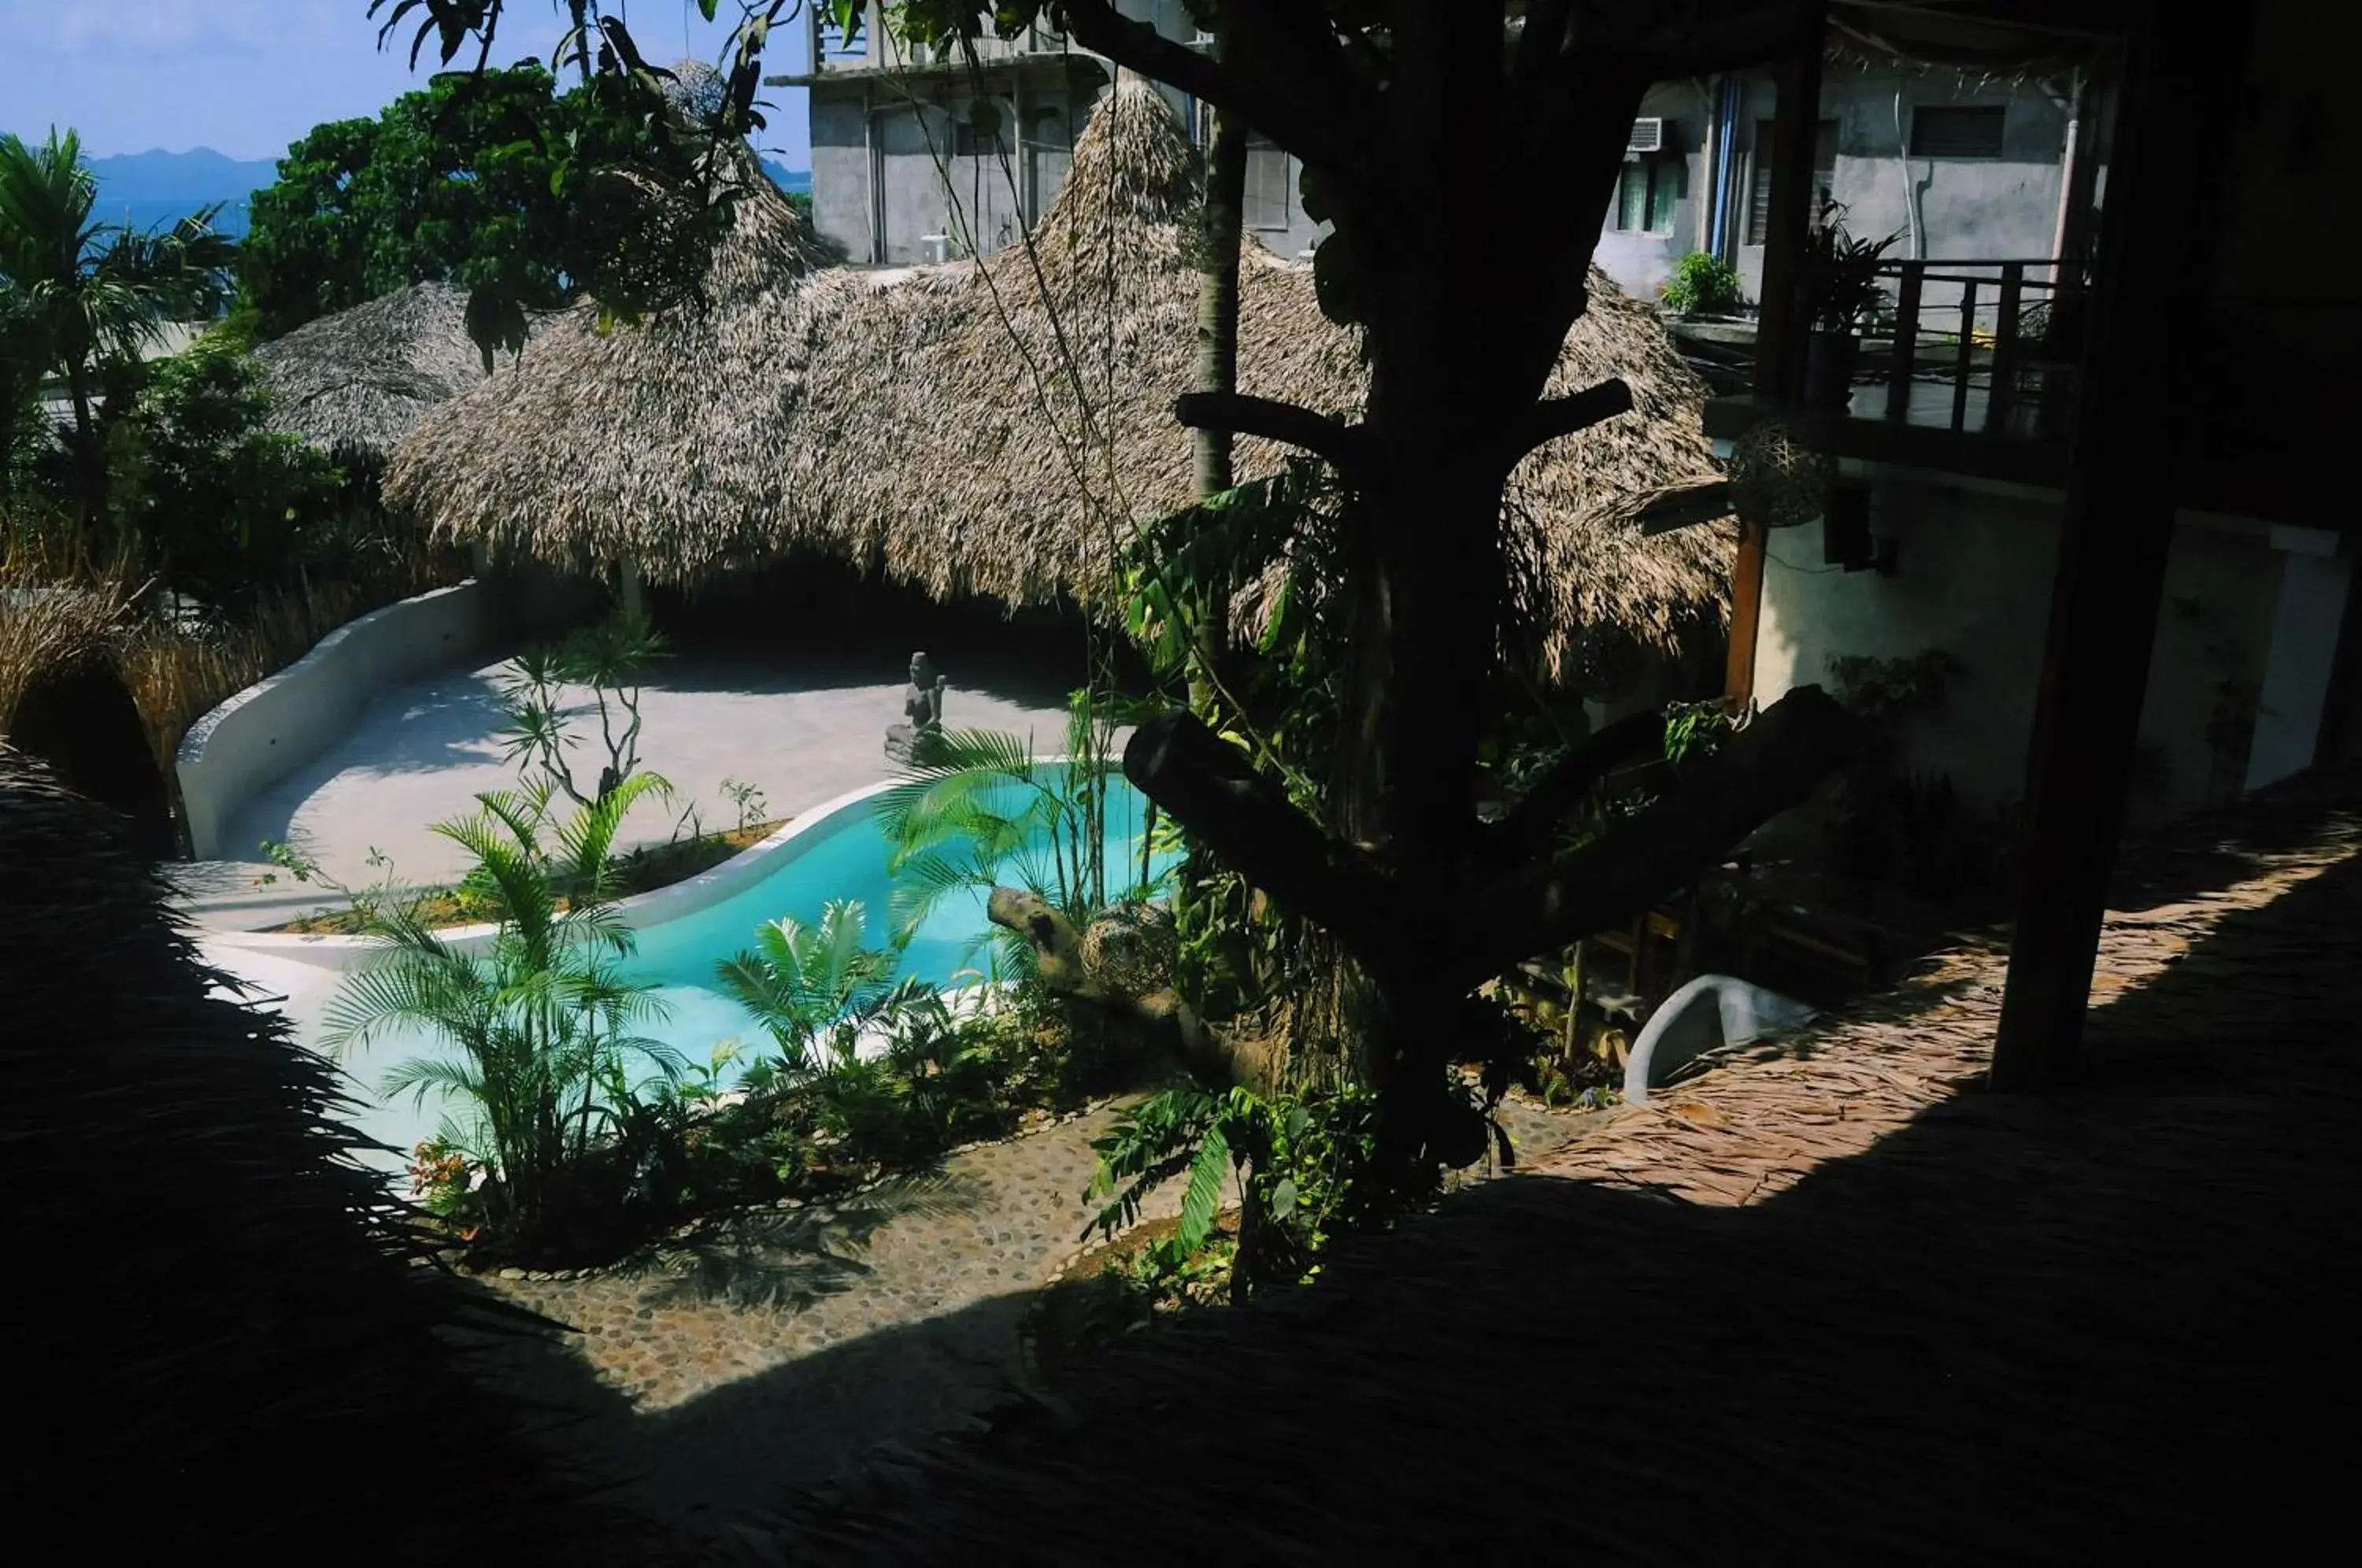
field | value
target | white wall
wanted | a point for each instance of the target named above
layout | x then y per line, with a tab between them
1973	577
270	729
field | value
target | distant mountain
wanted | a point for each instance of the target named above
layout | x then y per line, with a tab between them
150	189
790	180
199	175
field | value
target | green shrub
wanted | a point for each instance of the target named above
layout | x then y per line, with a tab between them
1702	283
1301	1167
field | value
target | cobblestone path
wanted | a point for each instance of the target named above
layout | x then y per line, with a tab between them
773	1354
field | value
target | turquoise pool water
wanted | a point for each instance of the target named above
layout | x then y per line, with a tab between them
843	856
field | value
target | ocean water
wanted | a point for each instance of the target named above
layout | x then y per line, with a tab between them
162	212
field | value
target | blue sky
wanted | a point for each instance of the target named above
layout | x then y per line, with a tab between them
247	77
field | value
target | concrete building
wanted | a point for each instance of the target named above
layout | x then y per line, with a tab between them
1953	470
1955	161
918	157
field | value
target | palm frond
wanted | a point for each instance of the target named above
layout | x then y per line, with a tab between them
1203	1199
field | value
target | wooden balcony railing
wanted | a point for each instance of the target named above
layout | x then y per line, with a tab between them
1985	347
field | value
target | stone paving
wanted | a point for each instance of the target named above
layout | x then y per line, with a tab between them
775	1355
802	729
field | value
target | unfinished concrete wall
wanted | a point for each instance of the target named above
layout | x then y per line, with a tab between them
840	157
1639	256
2002	207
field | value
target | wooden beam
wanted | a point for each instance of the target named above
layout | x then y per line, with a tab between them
2165	205
1795	122
1746	614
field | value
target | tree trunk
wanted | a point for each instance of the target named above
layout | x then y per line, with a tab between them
1429	569
88	459
1217	365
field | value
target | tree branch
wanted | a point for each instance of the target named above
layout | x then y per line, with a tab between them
1209	1057
1708	36
1767	767
1211	788
1707	502
1557	416
1527	830
1543	35
1343	445
1499	916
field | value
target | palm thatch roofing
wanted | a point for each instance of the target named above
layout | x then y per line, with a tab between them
356	383
1002	426
655	443
220	1344
1825	1303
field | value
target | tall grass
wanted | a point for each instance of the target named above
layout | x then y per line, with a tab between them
176	672
54	609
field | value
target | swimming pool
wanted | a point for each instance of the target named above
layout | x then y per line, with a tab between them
843	856
683	932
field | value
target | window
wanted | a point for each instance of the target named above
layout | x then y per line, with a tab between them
841	43
1758	196
1944	130
968	141
1650	186
1267	204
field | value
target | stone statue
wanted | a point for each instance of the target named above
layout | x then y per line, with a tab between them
922	707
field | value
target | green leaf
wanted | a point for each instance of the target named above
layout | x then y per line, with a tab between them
1203	1200
1282	1199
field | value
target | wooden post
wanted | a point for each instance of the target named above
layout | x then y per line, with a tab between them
627	584
1795	125
2165	202
1746	614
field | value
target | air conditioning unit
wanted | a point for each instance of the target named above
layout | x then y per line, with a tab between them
934	249
1648	136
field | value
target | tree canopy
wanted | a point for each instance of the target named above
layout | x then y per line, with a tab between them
464	181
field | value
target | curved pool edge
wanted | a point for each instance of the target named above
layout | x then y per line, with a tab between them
639	912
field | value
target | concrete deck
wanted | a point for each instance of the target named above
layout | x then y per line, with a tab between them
801	729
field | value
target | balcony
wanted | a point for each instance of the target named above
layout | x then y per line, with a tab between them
1968	366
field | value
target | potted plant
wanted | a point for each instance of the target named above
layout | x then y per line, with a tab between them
1845	294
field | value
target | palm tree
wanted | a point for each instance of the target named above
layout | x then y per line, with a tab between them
984	810
541	1020
814	986
82	292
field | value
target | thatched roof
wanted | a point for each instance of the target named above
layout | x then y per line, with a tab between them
893	418
213	1318
356	382
656	442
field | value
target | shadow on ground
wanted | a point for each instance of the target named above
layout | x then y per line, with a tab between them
2110	1324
